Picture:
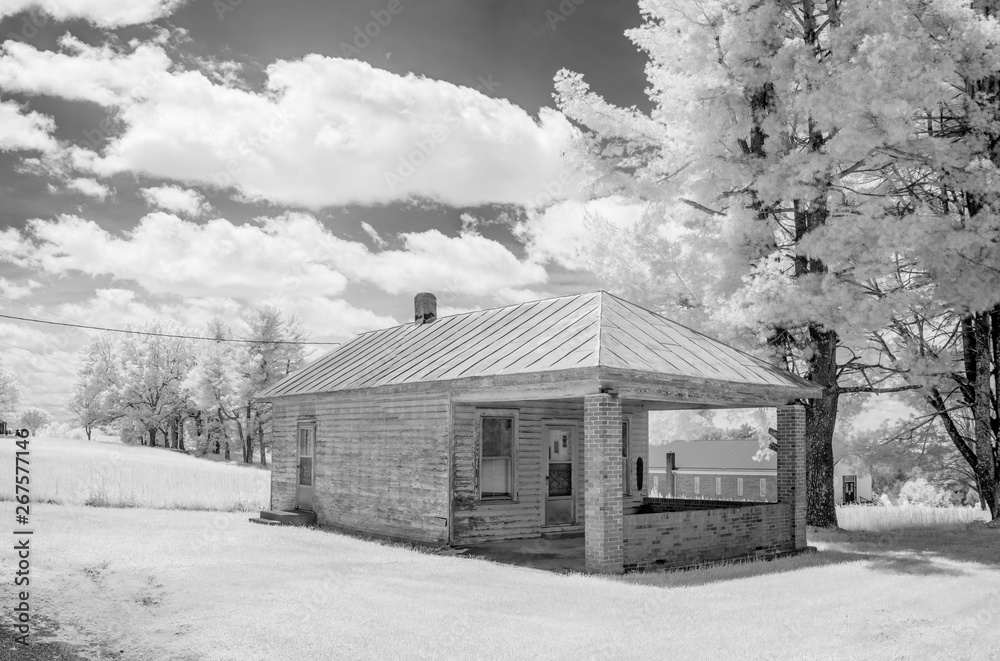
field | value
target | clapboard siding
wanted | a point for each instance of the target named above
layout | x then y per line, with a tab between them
476	520
381	463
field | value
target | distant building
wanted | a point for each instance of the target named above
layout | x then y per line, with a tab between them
852	481
714	470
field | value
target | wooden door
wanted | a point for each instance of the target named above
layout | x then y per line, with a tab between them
850	489
307	450
560	489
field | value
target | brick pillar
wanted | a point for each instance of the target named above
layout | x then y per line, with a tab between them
604	482
792	467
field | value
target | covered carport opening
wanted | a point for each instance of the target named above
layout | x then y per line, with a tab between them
669	532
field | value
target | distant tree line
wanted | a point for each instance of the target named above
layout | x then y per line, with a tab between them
31	418
189	394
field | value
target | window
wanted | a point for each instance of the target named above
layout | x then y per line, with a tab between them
697	485
718	486
496	467
656	483
763	488
626	466
739	486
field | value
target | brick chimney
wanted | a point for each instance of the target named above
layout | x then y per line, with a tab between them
425	308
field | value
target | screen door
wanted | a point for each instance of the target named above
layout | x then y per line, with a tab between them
560	501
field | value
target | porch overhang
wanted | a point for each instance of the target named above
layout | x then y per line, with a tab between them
658	392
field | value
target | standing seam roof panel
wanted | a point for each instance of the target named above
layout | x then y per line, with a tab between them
486	346
408	362
592	329
512	361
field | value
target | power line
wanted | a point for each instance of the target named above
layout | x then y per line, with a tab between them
37	308
181	337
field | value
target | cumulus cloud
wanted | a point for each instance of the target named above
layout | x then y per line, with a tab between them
17	290
81	72
176	199
103	13
563	232
324	131
375	236
167	255
335	318
89	187
25	130
291	255
432	261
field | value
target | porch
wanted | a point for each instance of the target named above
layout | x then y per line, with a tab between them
670	533
612	526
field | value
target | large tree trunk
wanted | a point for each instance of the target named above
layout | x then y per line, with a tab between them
172	434
248	439
982	409
202	442
180	434
152	436
821	414
225	434
239	435
821	420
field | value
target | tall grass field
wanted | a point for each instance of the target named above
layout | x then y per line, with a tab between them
879	518
107	474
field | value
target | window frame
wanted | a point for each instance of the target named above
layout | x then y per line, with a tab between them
497	413
697	484
718	486
763	487
739	486
307	424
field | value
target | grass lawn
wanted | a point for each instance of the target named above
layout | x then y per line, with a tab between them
80	472
158	584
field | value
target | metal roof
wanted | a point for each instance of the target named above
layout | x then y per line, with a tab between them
595	329
711	455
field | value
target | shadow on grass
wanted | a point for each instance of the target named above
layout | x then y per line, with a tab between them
915	552
747	569
40	647
974	542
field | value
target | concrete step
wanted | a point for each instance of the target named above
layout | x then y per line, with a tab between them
562	533
265	522
290	518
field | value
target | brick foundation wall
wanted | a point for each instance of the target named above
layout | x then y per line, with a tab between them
678	539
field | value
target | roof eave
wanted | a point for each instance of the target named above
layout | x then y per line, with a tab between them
694	391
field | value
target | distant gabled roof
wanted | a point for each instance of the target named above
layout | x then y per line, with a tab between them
711	455
582	331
